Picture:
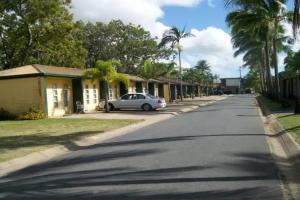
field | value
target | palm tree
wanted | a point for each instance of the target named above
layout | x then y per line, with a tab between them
173	37
191	75
203	72
202	65
296	17
262	19
169	72
151	70
106	71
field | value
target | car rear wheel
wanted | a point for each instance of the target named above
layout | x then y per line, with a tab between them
147	107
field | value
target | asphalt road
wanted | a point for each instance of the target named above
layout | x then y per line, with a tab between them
216	152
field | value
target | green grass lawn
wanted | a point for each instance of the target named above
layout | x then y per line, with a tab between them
290	122
272	106
18	138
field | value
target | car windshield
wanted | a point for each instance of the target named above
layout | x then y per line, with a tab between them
151	96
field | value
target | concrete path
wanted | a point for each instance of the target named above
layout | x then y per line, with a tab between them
216	152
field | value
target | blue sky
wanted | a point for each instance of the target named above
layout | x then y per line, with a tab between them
199	17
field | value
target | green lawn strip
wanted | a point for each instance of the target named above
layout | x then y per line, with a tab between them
19	138
292	124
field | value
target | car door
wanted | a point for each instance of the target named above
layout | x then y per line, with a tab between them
124	101
141	100
133	101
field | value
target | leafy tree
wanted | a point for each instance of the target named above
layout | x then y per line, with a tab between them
106	71
33	31
292	62
173	37
130	44
205	75
202	66
252	80
201	74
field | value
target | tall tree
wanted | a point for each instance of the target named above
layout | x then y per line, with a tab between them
296	17
174	37
292	63
33	31
128	43
170	72
200	74
204	74
262	19
106	71
252	80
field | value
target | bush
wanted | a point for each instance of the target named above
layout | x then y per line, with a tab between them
32	115
5	115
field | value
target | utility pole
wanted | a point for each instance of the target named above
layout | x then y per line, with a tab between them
241	83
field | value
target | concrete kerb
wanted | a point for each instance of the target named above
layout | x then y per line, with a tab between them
285	151
13	165
287	141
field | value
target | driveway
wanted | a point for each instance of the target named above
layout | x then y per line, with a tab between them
160	114
215	152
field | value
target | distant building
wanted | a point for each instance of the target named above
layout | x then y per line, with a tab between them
231	85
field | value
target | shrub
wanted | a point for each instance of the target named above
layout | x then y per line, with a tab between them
32	115
5	115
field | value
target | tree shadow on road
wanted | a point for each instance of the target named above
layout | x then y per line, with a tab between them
65	179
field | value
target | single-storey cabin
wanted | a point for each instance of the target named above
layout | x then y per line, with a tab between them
58	91
137	85
53	90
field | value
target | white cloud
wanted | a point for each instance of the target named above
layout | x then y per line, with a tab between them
289	32
211	3
144	12
295	46
211	43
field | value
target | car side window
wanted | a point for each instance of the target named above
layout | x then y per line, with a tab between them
134	97
140	96
125	97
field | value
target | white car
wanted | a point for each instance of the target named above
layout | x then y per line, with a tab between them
143	101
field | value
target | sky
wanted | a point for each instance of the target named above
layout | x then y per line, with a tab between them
205	19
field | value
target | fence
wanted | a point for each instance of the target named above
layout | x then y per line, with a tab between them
290	87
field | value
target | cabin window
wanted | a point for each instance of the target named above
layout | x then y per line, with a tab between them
55	95
65	92
87	94
110	92
95	94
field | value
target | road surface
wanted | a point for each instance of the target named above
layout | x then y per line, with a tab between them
215	152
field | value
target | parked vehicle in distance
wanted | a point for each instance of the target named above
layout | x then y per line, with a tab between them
218	92
143	101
